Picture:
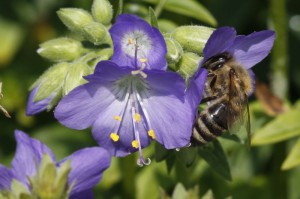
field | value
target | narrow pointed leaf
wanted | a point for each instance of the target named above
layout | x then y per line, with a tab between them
293	158
188	8
153	19
214	155
281	128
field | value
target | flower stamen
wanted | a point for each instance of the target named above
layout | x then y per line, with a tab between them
137	117
151	133
118	118
115	137
135	144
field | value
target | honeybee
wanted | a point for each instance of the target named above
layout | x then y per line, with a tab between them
226	92
1	107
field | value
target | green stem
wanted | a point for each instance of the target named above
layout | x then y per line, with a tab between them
159	7
279	65
128	170
279	84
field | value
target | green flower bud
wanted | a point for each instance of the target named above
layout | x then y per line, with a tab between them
95	33
74	18
188	64
192	38
102	11
51	81
60	49
74	76
174	50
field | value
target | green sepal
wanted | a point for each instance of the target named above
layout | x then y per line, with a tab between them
60	49
50	182
153	18
74	76
51	81
188	64
192	38
74	18
174	50
102	11
187	155
215	156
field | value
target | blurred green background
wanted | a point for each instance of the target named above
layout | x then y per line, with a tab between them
255	173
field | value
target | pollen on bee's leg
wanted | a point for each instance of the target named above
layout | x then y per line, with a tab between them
115	137
135	144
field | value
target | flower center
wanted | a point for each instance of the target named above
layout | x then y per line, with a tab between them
136	44
129	91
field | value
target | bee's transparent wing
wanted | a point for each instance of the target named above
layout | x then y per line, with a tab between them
239	121
238	116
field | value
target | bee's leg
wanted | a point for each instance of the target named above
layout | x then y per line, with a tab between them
209	98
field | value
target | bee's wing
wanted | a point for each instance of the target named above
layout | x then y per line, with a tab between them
238	111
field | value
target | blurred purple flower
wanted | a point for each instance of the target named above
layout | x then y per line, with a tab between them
87	165
131	100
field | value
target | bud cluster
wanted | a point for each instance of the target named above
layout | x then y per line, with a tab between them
185	45
73	59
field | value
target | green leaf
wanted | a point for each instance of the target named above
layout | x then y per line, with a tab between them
153	18
160	152
214	155
188	8
187	155
283	127
293	158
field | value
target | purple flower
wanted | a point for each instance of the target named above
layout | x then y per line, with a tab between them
127	106
39	106
87	165
136	43
246	50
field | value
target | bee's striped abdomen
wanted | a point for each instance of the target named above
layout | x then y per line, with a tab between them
209	124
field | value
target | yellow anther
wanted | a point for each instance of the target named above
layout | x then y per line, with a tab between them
143	60
130	41
137	117
117	118
115	137
151	133
135	144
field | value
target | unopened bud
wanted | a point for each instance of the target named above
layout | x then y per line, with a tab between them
174	50
95	33
188	64
75	75
74	18
192	38
102	11
60	49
